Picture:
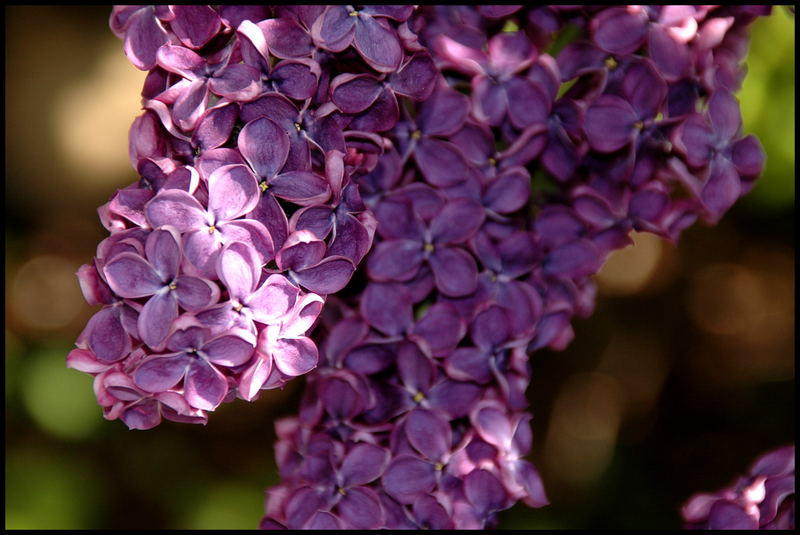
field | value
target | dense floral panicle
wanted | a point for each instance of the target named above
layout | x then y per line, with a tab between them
761	499
469	168
525	170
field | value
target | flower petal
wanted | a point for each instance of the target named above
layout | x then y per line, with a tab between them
429	432
722	189
254	377
195	25
239	269
387	307
327	277
232	192
441	162
408	477
228	350
273	299
416	78
395	260
195	294
176	208
286	39
485	492
108	339
161	373
205	386
294	356
251	232
377	44
726	118
619	31
300	187
265	146
354	93
131	276
155	319
454	270
441	327
457	221
364	464
163	250
360	508
609	123
143	37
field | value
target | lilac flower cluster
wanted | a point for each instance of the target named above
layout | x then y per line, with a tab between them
762	499
417	416
483	161
245	215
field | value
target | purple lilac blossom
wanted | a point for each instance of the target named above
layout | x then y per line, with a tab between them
493	171
415	356
761	499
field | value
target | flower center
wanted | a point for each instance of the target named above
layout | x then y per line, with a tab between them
263	185
492	162
438	467
341	491
173	286
211	229
416	134
298	126
638	125
610	63
428	247
419	396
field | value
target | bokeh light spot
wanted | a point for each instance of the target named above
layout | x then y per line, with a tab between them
583	431
227	505
45	293
49	493
629	271
92	133
60	400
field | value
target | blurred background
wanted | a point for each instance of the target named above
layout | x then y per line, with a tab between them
682	376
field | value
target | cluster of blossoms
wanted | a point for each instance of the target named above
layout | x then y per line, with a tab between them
763	499
482	161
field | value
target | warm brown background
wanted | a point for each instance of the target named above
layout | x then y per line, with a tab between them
682	376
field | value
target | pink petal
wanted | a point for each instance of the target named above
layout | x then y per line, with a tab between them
232	192
205	386
131	276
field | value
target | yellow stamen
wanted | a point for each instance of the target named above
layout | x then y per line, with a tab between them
428	247
211	229
438	467
239	307
263	185
416	134
419	396
354	13
298	126
638	125
610	63
173	286
492	162
341	491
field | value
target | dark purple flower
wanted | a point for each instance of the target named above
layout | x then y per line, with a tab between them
367	29
195	358
410	242
232	193
155	275
762	499
142	31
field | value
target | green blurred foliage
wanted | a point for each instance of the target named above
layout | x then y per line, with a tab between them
767	100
